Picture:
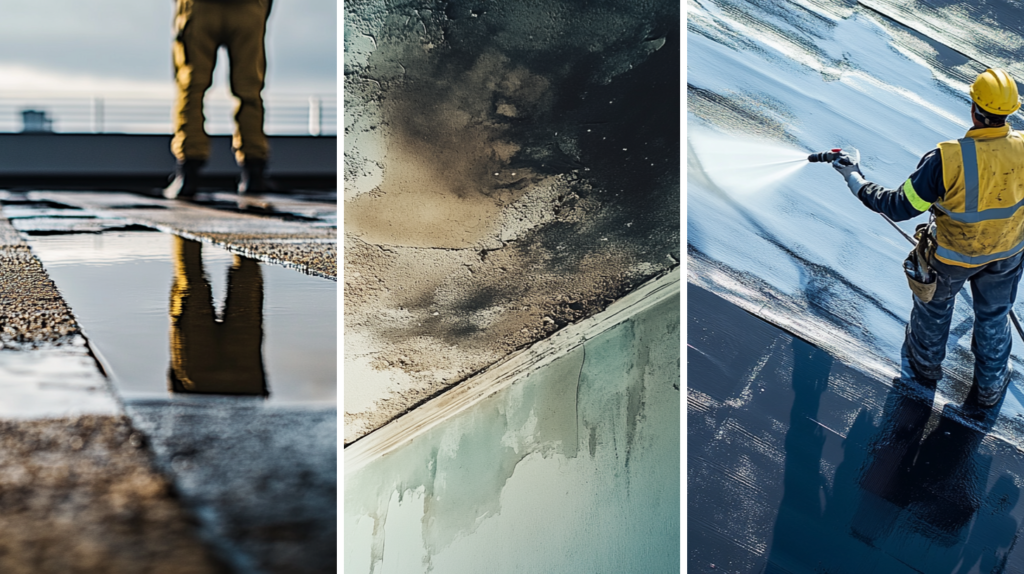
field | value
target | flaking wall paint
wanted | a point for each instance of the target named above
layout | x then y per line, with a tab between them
574	468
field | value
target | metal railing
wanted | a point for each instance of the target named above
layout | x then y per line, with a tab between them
285	114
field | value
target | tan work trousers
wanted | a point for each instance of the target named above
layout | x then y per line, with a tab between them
208	355
202	27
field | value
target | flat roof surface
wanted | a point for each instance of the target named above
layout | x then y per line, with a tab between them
183	482
797	462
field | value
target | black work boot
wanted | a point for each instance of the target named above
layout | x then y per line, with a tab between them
253	180
186	179
989	400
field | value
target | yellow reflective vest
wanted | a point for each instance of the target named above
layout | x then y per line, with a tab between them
980	218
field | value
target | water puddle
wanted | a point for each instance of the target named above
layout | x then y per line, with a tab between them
167	315
52	382
49	218
317	209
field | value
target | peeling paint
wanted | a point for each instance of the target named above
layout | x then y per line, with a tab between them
466	486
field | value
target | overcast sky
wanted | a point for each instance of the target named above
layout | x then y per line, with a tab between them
115	46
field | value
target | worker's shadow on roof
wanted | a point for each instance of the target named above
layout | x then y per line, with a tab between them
916	474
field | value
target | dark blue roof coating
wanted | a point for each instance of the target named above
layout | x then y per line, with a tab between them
798	463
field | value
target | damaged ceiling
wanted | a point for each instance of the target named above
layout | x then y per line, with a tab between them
510	168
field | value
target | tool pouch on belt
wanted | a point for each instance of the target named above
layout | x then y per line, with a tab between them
919	272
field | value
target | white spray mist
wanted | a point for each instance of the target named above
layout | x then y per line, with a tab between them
743	166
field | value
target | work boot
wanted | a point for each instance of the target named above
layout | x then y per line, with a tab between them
253	180
186	179
973	410
929	374
990	400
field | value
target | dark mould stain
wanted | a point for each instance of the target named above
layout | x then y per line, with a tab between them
482	103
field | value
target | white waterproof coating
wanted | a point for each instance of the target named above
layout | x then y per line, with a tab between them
809	238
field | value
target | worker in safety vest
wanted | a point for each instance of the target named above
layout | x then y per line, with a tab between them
203	26
974	188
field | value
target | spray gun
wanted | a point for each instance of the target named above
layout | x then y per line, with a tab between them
832	155
825	156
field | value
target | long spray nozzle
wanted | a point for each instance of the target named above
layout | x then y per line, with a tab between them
825	156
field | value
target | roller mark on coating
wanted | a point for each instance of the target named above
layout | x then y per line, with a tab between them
756	442
745	485
698	401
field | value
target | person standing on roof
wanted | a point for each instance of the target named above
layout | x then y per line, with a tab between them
974	189
202	27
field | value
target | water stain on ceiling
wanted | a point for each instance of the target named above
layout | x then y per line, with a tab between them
510	168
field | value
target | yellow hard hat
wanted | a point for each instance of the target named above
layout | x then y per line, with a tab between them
995	92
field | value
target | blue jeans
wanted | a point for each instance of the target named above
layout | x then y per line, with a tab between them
994	287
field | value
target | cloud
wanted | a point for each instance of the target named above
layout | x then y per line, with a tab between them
27	80
68	45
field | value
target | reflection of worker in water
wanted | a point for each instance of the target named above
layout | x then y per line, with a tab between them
932	491
906	496
208	355
202	27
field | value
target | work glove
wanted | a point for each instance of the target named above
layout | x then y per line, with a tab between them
850	172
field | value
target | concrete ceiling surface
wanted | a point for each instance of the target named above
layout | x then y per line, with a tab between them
510	169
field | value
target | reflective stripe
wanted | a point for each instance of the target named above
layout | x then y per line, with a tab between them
973	236
975	261
970	161
988	214
969	153
914	199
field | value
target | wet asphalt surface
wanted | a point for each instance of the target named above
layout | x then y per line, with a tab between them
184	483
800	463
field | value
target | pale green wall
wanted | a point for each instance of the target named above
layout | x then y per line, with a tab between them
572	469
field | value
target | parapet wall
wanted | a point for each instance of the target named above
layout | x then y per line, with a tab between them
132	161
